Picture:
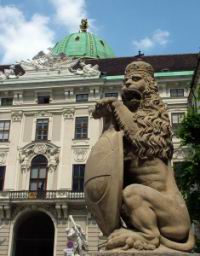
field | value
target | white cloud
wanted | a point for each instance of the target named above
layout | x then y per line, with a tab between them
69	13
158	38
21	38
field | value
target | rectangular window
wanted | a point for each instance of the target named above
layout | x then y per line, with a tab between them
81	127
81	97
78	177
38	179
111	94
2	176
6	101
42	129
4	130
43	99
176	93
177	119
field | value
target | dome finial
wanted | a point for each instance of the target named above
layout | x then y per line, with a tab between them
84	25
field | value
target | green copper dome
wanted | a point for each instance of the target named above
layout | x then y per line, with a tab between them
83	45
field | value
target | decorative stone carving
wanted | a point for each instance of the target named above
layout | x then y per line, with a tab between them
43	61
43	114
49	150
3	158
62	210
68	113
87	70
181	153
40	149
80	154
60	63
77	235
16	116
18	97
8	73
53	157
128	168
69	92
91	110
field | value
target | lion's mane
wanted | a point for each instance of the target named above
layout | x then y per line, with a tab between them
153	138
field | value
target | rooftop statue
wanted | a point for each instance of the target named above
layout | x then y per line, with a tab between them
84	25
129	185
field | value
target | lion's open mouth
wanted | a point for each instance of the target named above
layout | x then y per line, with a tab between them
131	94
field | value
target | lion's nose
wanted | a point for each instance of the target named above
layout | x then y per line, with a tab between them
127	84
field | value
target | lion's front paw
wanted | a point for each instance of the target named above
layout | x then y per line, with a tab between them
105	101
125	239
103	107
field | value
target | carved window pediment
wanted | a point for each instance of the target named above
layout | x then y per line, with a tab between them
49	150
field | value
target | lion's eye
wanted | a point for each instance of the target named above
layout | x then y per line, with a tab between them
136	78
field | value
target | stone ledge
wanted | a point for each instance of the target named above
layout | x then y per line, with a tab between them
142	253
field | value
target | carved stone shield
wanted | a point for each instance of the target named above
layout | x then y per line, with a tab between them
104	180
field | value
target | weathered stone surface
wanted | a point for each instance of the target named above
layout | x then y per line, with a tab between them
133	181
143	253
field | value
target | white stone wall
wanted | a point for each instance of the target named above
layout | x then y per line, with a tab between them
61	112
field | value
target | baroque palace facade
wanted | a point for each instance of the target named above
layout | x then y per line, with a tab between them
47	132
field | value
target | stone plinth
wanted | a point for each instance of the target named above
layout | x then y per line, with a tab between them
142	253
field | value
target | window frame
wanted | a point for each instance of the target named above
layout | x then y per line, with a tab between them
2	178
41	130
179	116
81	135
39	97
3	130
82	100
111	94
176	92
39	166
78	179
10	100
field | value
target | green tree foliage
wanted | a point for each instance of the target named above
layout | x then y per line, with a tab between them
189	177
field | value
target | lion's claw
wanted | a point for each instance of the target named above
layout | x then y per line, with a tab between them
125	239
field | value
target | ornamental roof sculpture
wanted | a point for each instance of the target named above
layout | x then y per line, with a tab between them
50	62
10	71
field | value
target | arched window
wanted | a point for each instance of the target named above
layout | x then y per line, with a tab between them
38	175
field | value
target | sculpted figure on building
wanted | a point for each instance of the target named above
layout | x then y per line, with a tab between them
146	210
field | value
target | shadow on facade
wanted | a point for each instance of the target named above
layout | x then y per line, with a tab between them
34	235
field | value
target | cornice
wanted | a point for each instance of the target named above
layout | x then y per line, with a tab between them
49	83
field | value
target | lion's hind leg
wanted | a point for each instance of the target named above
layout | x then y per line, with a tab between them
154	214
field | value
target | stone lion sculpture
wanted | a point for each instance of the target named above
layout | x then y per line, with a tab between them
129	185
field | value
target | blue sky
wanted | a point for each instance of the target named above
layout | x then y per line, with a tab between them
152	26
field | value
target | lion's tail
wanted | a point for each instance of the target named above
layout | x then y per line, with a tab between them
187	246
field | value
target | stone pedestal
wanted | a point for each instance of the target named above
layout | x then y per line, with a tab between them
142	253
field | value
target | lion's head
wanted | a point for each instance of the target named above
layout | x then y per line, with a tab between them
140	95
